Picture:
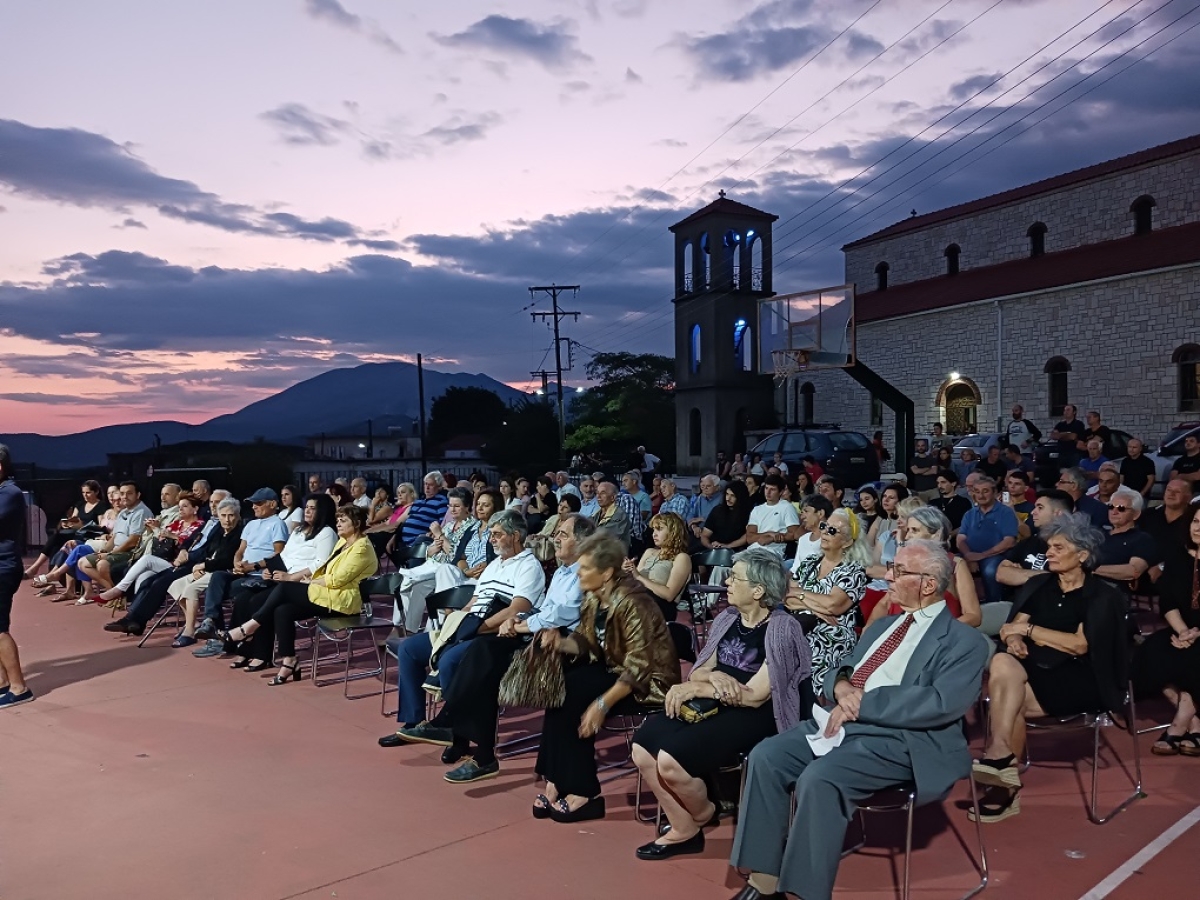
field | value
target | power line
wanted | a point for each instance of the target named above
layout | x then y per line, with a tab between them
669	312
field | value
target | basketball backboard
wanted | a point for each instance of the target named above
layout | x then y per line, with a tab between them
819	323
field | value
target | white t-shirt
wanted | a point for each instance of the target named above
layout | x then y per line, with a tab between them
774	518
293	518
807	547
518	576
363	502
300	554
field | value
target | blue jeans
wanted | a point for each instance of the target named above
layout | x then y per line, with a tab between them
992	589
413	666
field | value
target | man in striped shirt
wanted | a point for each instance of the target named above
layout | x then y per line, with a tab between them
427	510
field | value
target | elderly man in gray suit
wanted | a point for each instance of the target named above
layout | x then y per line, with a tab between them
900	696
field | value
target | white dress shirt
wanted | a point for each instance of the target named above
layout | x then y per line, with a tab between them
892	670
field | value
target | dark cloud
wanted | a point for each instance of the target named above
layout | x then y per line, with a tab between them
553	46
463	128
968	87
128	223
334	13
81	168
632	77
300	126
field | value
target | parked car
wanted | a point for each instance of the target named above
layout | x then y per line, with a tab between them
1048	458
980	443
846	455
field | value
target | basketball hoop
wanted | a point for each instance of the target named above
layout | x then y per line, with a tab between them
788	362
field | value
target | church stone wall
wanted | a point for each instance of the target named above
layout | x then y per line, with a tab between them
1118	336
1081	214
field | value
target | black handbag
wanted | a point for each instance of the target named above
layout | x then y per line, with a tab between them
698	709
164	548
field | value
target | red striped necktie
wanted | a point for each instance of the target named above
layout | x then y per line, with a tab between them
868	666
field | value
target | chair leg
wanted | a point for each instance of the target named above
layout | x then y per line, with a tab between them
1131	727
172	606
912	805
983	863
383	710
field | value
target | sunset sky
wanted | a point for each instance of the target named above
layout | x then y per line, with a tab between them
204	203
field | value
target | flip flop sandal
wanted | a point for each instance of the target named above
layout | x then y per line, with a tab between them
1189	744
183	640
1167	745
541	807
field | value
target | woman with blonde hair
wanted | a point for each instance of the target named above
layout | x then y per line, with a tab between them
665	568
827	590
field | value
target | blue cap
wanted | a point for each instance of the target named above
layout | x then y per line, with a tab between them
262	495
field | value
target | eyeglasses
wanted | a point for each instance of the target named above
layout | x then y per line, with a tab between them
900	572
1118	508
733	576
496	535
831	530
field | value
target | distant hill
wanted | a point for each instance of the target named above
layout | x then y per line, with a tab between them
338	401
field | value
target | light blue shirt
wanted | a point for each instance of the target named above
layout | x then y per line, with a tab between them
678	504
701	506
589	508
261	536
560	607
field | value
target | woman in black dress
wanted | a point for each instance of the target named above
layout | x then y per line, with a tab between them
1065	655
1169	660
755	669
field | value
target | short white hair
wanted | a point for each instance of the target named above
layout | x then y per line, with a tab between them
436	477
1131	497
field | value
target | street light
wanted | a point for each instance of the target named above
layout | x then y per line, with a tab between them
954	376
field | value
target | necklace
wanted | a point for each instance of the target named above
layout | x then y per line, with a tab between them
746	630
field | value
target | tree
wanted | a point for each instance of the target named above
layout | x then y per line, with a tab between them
465	410
632	403
527	440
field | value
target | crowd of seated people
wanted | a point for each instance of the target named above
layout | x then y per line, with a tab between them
804	672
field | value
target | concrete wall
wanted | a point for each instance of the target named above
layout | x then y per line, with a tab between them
1082	214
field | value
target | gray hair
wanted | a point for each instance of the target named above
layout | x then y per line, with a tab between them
1075	475
583	527
909	505
510	521
1129	495
207	486
857	550
985	481
764	568
670	481
564	473
219	494
634	474
1111	467
932	520
230	503
711	479
1078	531
436	477
936	563
461	494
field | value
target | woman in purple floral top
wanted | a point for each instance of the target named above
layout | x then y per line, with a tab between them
756	666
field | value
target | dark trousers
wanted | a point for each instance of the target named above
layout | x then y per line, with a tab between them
413	663
216	594
149	598
565	759
472	696
55	542
286	604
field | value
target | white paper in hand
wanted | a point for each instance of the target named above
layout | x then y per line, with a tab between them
819	743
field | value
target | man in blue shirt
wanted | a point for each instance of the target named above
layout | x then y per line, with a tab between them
13	689
262	538
472	696
988	532
589	504
427	510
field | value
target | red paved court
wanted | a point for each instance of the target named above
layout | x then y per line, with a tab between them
151	774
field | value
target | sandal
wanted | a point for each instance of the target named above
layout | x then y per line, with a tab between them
541	807
228	637
293	674
258	666
1189	744
47	589
183	640
1167	745
997	811
41	581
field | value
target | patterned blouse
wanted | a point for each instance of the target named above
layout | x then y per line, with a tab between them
831	643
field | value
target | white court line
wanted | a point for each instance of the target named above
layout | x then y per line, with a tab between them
1143	856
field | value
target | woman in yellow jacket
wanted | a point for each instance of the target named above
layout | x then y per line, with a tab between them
332	590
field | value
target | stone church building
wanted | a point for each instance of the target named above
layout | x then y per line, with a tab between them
1083	288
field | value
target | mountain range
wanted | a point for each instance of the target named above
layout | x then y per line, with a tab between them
338	401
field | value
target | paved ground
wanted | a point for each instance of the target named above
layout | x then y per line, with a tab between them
150	774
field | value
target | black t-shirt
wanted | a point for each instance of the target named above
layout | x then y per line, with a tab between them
1177	587
1168	536
995	471
923	482
742	650
1029	554
1051	607
1075	427
953	508
1136	473
1119	549
1186	465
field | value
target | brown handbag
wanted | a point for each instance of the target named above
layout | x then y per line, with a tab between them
534	679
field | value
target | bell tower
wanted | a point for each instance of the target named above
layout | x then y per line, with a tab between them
722	270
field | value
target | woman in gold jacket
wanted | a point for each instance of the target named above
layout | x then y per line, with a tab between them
624	662
332	590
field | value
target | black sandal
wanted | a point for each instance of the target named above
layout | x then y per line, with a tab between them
240	665
258	666
292	675
1171	742
1189	744
996	810
541	807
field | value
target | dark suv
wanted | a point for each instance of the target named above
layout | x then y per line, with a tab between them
1049	459
846	455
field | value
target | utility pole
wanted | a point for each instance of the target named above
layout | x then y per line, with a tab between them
545	376
557	315
421	418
